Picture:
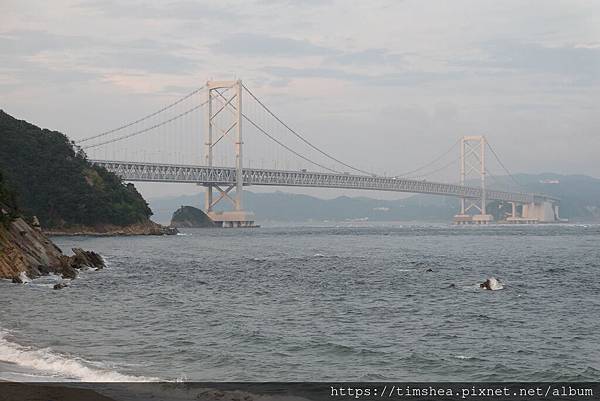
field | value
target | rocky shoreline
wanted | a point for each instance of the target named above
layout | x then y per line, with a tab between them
106	230
26	253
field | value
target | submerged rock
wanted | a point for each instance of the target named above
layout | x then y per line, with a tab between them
191	217
60	286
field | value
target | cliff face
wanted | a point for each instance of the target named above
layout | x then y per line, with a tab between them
190	217
25	251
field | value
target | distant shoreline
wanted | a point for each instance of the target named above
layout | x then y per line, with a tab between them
145	228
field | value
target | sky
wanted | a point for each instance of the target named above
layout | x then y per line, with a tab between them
385	85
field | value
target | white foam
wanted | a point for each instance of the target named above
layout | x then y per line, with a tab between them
54	364
24	278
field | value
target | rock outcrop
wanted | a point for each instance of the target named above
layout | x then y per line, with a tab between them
190	217
27	252
491	284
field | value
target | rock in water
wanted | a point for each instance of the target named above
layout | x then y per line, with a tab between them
190	217
491	284
83	258
60	286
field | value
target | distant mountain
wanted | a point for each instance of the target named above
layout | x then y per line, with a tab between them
281	206
579	194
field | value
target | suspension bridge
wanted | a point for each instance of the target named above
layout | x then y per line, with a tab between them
208	139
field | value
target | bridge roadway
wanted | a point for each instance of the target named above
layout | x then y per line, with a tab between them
225	176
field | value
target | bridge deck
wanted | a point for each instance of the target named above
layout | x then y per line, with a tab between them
153	172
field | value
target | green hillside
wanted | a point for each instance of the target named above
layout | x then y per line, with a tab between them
8	203
57	184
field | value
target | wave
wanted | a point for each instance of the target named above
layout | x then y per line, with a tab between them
24	278
59	366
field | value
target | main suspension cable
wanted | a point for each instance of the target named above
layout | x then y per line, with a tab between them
287	147
264	132
431	162
143	118
502	165
304	139
145	129
424	175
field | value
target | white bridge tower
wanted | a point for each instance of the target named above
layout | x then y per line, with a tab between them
472	165
224	116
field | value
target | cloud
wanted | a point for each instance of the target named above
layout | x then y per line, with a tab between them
91	55
369	57
27	74
253	44
179	10
146	61
400	78
580	63
31	42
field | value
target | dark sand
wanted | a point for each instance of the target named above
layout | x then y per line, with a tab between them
44	392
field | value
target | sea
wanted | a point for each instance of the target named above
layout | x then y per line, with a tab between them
316	302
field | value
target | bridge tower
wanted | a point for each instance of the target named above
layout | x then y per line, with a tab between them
224	116
472	164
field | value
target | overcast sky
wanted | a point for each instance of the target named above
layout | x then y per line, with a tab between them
386	85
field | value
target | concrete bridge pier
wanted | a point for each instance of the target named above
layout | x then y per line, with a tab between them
535	212
543	212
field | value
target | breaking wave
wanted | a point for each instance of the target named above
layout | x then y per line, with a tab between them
46	361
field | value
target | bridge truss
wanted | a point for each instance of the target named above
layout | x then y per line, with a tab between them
226	176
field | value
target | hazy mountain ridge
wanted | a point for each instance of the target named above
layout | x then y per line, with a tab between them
579	194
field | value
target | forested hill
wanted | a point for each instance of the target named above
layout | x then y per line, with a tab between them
57	184
8	204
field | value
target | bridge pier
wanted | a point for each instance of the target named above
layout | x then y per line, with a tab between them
233	219
463	219
536	212
544	212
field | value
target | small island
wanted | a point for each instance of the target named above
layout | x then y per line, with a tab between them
191	217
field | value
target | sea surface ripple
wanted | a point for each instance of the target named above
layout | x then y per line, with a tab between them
347	302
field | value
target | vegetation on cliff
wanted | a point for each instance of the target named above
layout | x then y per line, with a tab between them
54	181
8	203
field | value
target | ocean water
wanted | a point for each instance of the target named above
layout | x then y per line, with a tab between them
367	302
